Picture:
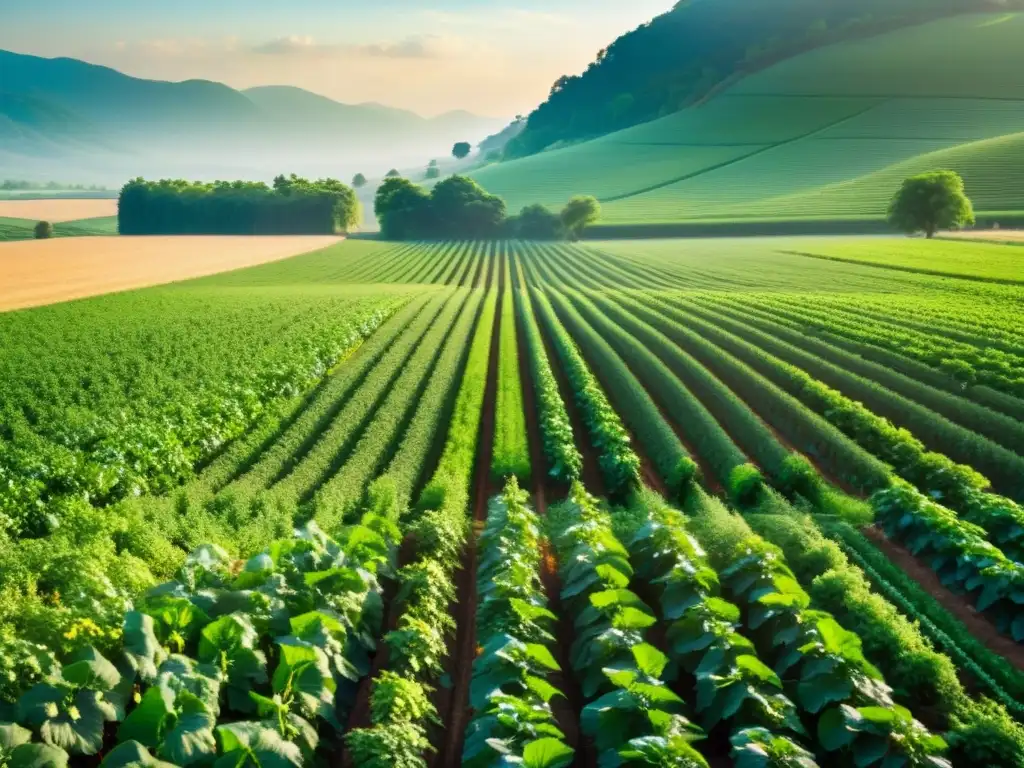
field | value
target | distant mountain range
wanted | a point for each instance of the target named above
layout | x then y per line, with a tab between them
64	118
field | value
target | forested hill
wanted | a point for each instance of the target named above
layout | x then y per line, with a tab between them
688	52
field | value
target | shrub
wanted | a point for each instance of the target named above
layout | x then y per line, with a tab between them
43	230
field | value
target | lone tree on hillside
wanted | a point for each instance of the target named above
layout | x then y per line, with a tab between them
930	202
462	150
579	213
392	174
44	230
359	181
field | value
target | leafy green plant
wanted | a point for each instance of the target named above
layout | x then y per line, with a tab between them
881	736
760	748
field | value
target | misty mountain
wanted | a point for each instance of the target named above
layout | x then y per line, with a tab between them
70	119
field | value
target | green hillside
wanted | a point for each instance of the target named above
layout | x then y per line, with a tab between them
831	133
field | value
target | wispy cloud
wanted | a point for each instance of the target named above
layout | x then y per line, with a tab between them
413	47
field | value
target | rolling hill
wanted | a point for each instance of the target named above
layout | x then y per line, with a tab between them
63	118
828	133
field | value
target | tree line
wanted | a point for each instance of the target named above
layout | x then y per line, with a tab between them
458	208
292	206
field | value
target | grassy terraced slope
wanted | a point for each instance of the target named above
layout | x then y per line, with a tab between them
850	120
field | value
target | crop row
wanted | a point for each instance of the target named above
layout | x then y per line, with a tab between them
242	666
619	464
318	456
511	455
401	711
564	460
379	354
510	693
671	459
445	342
968	363
980	437
957	486
979	731
143	422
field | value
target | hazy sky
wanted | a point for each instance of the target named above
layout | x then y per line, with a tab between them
494	57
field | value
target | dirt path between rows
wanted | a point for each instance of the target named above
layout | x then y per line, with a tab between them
453	702
976	622
38	272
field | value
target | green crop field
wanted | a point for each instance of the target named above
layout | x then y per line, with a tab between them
830	133
23	229
518	503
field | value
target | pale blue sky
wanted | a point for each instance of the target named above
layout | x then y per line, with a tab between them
494	57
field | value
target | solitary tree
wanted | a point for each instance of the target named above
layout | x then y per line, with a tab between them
44	230
462	150
579	213
392	174
433	172
930	202
359	181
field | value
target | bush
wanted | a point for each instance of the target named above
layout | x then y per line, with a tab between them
43	230
535	222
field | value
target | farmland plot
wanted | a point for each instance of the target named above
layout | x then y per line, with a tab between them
676	503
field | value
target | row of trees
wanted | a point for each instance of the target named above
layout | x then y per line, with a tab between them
292	206
459	208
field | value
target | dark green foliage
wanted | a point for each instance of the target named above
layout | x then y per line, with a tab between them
394	173
433	172
293	206
461	150
579	213
930	202
456	208
358	181
43	230
536	222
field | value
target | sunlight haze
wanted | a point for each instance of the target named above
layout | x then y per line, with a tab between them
492	58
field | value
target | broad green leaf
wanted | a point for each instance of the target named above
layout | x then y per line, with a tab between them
131	754
547	753
37	756
12	735
141	645
88	669
148	722
650	660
